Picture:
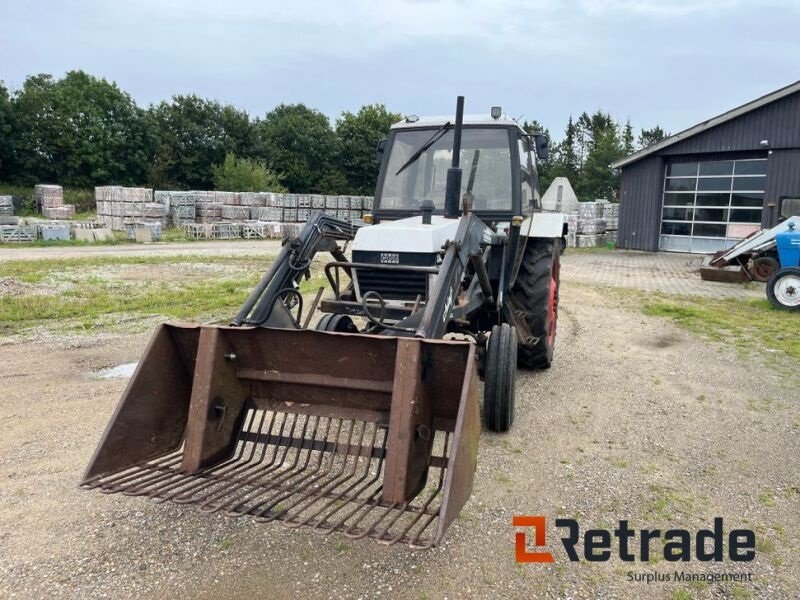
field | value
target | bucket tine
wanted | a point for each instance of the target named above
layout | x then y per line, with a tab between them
369	436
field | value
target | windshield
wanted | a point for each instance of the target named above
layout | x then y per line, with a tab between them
485	161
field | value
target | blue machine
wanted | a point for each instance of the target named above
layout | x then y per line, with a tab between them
783	288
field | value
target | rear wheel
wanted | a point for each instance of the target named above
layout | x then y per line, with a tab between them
536	294
340	323
500	377
783	290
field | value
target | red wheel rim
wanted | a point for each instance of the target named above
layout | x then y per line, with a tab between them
552	308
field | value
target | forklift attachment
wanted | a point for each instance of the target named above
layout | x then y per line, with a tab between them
371	436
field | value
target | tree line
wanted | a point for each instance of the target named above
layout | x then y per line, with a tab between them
82	131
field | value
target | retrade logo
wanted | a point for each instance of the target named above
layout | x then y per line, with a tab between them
634	545
539	524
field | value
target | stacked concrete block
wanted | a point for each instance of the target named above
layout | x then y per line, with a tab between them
143	231
235	213
6	206
317	201
119	206
50	202
55	231
208	210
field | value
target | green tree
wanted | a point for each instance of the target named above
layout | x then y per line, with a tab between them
648	137
245	175
194	135
298	143
5	130
79	131
598	179
358	135
628	143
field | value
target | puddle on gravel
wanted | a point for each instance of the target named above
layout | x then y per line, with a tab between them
123	371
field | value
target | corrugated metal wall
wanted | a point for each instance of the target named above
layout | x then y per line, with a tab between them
783	179
642	181
779	123
640	204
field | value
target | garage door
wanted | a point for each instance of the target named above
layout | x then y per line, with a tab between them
711	205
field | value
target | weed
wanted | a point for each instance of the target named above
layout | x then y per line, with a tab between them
767	498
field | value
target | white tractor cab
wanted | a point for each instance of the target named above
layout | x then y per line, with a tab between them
511	248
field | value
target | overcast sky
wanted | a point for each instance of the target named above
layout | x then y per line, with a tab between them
667	62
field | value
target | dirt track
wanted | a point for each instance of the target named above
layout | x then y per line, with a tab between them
636	420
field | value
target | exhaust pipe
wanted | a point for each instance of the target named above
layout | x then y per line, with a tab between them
453	190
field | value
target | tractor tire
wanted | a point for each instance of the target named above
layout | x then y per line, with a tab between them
783	289
500	378
339	323
764	267
535	293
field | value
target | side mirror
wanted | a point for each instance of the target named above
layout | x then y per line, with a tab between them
542	146
379	150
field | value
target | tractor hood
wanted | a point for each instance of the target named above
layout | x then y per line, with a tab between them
406	235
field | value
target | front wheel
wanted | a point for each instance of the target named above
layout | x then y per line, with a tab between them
535	294
783	289
499	384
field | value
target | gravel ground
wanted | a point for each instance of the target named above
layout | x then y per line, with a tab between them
635	420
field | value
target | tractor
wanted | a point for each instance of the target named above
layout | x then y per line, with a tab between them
365	421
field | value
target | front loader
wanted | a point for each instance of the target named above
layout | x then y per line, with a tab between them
367	424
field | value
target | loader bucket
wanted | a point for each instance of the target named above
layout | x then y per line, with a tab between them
367	435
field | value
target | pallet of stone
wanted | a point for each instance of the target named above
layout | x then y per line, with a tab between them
18	233
611	237
366	202
332	202
591	210
354	215
591	226
58	213
229	198
572	239
235	213
255	230
288	201
154	210
356	203
343	215
182	214
317	201
270	213
226	231
290	215
303	214
143	231
51	196
591	241
254	199
6	206
197	231
54	231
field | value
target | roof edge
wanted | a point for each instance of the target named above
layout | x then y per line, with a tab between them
710	123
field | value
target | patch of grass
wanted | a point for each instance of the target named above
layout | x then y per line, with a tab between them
84	300
739	592
665	502
749	324
681	595
764	545
763	406
767	498
620	463
226	544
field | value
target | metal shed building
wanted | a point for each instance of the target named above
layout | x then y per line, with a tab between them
705	188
